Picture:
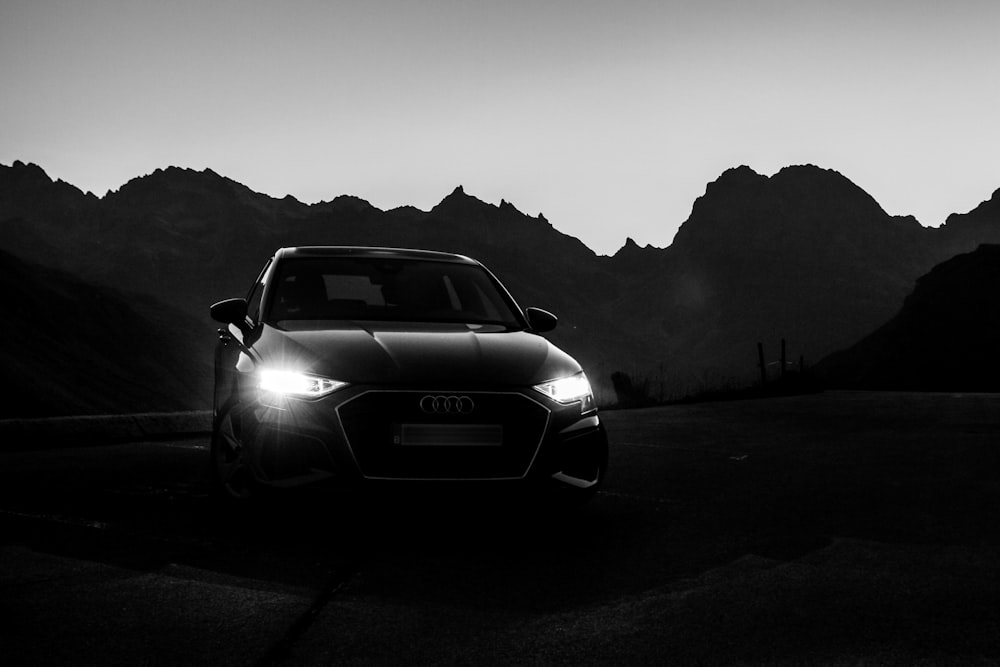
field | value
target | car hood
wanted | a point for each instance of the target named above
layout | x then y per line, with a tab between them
425	354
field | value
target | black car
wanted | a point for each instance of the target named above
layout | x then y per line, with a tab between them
379	364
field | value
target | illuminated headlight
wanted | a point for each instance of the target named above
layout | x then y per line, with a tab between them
569	390
296	385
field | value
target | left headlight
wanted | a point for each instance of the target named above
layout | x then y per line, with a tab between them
568	390
296	385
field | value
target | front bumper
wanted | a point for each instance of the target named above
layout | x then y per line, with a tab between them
366	434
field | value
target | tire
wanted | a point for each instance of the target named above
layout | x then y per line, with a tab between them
230	477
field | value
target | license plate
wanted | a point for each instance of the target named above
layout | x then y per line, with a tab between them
448	435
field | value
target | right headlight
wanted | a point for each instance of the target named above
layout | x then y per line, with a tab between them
569	389
293	384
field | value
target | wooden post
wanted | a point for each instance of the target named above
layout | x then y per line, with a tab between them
763	366
661	382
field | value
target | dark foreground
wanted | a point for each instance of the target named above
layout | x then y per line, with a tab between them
831	529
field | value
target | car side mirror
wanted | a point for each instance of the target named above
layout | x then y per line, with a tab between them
540	320
230	311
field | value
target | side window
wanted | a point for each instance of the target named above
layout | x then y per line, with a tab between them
453	299
256	292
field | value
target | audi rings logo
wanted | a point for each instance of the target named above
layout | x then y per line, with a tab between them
447	405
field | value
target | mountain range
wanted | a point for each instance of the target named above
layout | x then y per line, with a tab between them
804	255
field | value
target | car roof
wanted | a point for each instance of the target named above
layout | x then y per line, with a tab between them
371	252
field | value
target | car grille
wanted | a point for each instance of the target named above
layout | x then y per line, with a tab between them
400	434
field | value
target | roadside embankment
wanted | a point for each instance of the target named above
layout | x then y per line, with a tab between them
101	429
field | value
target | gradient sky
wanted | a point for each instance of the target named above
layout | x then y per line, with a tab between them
608	117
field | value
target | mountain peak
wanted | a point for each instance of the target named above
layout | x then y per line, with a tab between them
460	195
350	203
458	204
808	169
27	182
163	181
29	172
627	250
742	172
635	258
802	208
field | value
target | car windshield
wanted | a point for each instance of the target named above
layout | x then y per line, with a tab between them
398	290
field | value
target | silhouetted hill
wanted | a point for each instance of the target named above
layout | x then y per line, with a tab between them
945	338
67	347
804	255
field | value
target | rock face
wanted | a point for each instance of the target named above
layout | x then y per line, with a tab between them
945	338
805	255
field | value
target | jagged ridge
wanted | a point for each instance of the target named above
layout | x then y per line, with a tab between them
804	255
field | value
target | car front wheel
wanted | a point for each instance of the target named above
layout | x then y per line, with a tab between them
230	476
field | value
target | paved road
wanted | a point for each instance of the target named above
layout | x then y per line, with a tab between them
835	528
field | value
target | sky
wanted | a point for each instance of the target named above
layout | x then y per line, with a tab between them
610	118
